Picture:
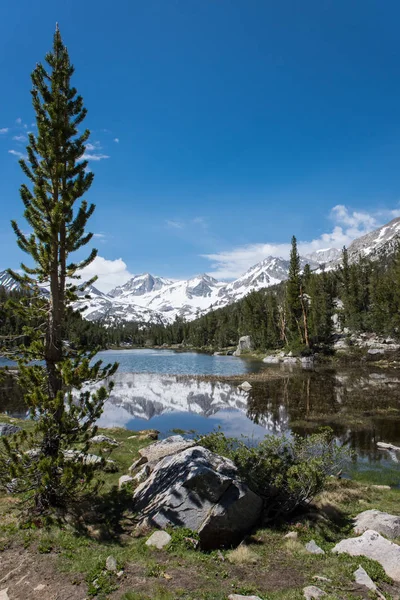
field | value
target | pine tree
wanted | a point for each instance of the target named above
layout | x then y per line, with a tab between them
293	290
56	389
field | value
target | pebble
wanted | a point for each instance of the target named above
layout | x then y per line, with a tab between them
111	564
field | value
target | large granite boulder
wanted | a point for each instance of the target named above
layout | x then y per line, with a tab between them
199	490
384	523
8	429
372	545
245	345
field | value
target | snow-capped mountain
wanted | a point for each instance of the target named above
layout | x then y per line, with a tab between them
377	243
8	282
146	298
323	256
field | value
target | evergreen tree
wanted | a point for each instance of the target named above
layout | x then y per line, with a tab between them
293	290
64	411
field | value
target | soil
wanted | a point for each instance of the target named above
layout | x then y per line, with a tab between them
23	570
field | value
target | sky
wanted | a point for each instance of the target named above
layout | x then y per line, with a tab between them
219	128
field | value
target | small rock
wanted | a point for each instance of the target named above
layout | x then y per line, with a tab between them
362	578
159	539
111	564
119	574
292	535
311	591
138	463
4	595
103	439
290	360
239	597
381	487
374	546
151	433
385	446
384	523
375	352
39	587
7	429
245	386
272	360
313	548
123	480
321	578
221	556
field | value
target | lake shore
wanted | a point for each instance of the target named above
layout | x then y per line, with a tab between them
67	560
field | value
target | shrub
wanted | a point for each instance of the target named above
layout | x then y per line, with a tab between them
287	472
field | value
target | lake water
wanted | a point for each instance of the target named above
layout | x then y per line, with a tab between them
178	363
163	390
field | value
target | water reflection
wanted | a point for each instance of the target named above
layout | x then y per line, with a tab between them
361	406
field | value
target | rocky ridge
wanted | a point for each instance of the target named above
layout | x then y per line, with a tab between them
146	298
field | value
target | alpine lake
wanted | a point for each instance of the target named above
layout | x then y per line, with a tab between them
192	393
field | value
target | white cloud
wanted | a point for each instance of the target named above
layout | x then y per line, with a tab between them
95	146
18	121
87	156
4	130
348	225
174	224
19	138
16	153
110	273
116	140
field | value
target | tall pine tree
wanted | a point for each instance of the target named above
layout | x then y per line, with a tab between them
293	291
56	389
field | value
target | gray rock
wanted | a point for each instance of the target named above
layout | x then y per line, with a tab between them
313	548
307	362
171	445
290	360
382	522
111	564
322	578
8	429
123	480
199	490
292	535
138	463
362	578
159	539
245	386
312	591
272	360
4	595
239	597
245	345
91	459
385	446
375	352
372	545
103	439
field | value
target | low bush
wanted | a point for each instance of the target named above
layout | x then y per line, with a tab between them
287	472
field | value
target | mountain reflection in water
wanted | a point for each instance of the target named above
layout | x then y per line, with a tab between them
361	406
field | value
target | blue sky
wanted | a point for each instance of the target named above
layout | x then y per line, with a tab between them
239	123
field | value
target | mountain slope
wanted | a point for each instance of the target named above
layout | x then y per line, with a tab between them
146	298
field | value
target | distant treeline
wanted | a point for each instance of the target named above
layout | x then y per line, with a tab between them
299	313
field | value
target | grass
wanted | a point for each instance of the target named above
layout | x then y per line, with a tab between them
74	552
